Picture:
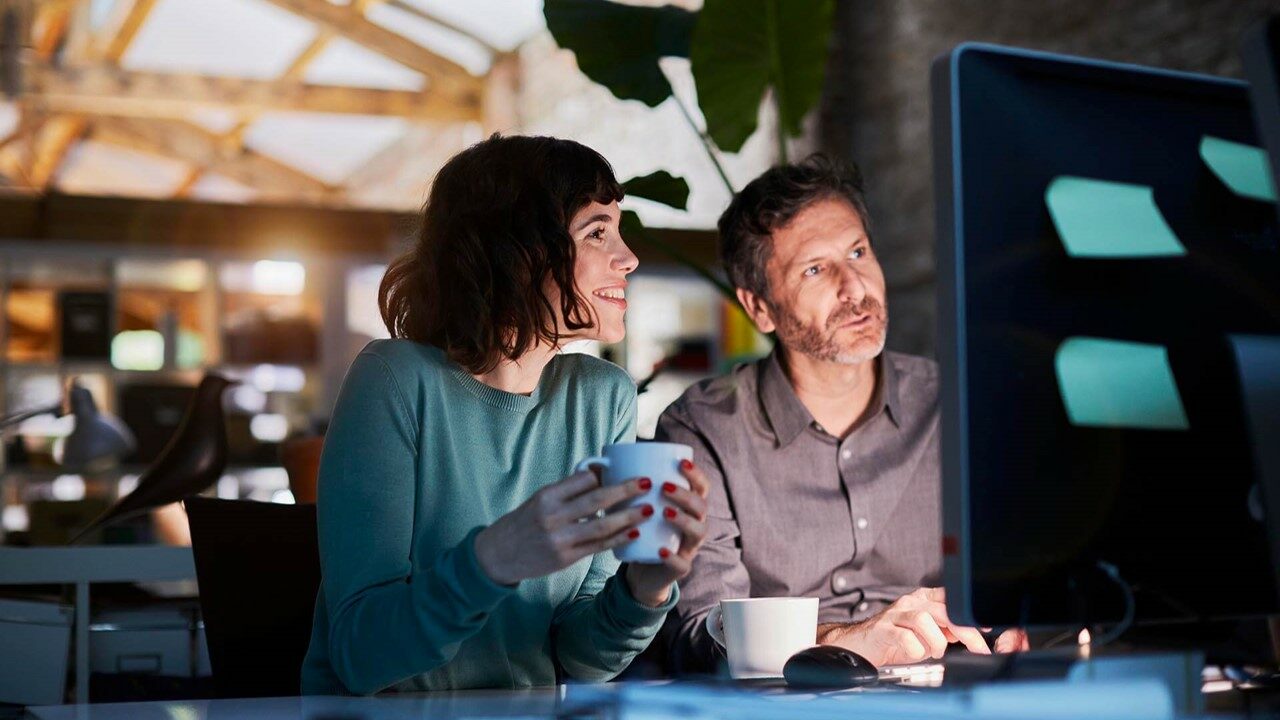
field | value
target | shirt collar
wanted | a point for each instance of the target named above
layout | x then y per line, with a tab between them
789	417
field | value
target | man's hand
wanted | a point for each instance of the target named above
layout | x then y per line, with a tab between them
913	628
1012	640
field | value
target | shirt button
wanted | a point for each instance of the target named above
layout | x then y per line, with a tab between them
842	581
846	453
862	523
862	607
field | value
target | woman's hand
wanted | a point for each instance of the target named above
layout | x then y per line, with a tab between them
545	533
687	511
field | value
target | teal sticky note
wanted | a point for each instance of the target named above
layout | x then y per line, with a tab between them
1113	383
1102	219
1243	168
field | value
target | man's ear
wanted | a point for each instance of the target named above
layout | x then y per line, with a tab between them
757	309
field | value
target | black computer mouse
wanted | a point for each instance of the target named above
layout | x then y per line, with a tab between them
828	666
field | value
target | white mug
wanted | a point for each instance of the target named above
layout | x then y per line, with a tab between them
760	634
660	462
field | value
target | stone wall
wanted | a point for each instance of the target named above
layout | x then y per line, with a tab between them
875	107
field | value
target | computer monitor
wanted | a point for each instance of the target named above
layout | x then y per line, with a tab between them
1101	230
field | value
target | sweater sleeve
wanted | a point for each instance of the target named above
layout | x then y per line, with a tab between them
387	623
603	628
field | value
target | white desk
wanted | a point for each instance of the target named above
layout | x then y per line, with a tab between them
1130	700
82	566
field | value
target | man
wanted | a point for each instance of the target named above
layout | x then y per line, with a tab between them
823	457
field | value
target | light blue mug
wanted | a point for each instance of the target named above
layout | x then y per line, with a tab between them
660	462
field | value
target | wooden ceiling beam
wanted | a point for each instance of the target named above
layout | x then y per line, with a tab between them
106	90
442	73
124	27
191	143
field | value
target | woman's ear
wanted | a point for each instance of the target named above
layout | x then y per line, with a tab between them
757	309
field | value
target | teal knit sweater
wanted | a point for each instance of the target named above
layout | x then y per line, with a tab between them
418	458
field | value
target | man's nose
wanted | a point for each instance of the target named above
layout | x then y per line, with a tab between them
852	288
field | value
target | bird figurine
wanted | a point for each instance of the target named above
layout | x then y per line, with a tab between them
193	459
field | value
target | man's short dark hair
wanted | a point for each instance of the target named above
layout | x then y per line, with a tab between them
770	202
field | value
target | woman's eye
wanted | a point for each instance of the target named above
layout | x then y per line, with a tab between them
597	234
811	271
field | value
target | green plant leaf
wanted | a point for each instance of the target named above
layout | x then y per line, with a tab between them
661	187
619	45
634	231
741	48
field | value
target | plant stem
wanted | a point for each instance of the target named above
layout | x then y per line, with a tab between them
706	142
779	91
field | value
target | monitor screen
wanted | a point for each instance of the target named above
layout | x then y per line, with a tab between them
1102	229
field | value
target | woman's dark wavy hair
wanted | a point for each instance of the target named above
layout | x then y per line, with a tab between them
492	234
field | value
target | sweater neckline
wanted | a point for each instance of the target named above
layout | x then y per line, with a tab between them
513	402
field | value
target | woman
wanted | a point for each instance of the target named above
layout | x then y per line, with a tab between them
455	552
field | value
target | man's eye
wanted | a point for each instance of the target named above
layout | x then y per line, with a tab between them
811	271
858	253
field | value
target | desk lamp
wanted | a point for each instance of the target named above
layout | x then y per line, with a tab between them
193	459
98	441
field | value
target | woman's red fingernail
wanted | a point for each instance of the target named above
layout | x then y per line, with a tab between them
664	553
646	510
633	534
668	487
686	464
645	483
669	513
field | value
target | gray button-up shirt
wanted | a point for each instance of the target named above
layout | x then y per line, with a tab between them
794	511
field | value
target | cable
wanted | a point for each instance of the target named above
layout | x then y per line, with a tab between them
1126	622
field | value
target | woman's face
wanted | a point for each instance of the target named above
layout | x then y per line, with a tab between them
603	263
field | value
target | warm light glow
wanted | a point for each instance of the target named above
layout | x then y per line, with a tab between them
279	277
15	518
278	378
267	277
249	398
228	488
67	487
180	275
269	427
126	485
1084	638
137	350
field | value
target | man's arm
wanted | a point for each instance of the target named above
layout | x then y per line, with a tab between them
718	571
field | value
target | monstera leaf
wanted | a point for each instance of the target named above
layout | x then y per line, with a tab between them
619	45
741	48
661	187
634	231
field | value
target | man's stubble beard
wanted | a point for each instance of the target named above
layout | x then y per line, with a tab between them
821	344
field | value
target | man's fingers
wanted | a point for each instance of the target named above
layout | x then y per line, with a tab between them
1013	640
935	594
969	637
907	645
925	628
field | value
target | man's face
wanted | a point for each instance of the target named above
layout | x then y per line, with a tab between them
826	289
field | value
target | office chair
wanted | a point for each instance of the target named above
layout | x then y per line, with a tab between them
258	567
